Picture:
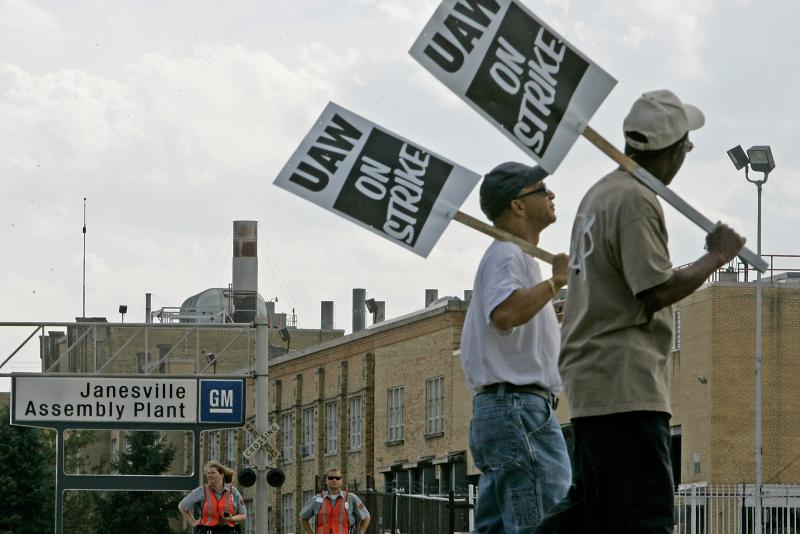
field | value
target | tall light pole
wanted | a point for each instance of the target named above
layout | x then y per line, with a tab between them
759	158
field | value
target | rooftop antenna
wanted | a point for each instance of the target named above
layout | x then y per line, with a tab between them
83	312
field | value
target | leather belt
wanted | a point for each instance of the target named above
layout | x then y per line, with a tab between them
517	388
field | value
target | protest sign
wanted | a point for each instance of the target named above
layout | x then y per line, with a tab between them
377	179
514	70
530	83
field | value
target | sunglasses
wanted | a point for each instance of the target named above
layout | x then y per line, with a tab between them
334	478
545	192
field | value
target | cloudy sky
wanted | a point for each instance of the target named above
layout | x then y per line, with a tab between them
173	119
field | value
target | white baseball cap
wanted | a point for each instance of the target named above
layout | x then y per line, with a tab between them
661	118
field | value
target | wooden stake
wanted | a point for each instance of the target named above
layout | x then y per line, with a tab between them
658	187
526	246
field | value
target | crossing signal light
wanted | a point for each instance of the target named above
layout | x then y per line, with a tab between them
247	477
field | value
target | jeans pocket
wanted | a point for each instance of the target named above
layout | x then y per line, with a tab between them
494	442
535	415
525	508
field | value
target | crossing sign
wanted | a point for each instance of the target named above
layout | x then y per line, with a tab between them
261	440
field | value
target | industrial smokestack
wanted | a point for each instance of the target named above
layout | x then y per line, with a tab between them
359	320
467	295
326	314
430	296
380	313
148	317
245	270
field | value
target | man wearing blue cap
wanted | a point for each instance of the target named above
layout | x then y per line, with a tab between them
509	351
618	328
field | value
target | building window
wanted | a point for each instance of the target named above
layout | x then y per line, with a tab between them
676	339
331	426
213	449
230	447
309	432
288	513
287	425
141	363
395	409
307	496
114	450
434	405
355	423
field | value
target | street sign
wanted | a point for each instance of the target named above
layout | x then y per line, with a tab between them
260	441
50	399
516	71
119	402
377	179
221	401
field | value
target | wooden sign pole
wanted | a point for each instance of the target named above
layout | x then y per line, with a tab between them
526	246
658	187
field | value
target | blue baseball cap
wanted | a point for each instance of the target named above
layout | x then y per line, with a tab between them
503	183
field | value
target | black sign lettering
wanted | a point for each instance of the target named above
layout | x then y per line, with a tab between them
448	49
326	154
527	79
393	187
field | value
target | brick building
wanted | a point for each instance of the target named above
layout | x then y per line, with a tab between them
713	383
387	405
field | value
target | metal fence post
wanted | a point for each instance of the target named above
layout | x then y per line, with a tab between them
393	512
451	512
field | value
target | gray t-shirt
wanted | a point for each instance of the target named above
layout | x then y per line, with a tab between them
194	501
613	355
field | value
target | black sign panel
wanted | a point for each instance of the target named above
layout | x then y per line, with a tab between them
393	186
527	79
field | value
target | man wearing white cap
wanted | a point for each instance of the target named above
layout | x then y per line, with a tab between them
618	328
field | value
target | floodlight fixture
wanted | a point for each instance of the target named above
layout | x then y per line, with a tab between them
761	159
738	157
372	306
284	333
210	357
123	309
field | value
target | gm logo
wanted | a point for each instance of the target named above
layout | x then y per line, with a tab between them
221	401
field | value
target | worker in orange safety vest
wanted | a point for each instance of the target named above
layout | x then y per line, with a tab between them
220	505
334	511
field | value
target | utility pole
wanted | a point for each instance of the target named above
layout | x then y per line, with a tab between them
262	420
83	309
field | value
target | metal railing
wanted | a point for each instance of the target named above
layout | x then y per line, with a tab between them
729	509
782	268
126	348
400	513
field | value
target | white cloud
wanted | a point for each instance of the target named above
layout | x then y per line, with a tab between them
24	20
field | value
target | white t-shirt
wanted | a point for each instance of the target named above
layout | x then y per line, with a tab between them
525	354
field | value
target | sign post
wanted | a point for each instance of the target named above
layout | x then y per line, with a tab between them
262	417
531	84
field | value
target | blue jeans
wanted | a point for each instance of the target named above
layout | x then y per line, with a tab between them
518	445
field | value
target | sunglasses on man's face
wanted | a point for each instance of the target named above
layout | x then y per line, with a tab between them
541	191
334	478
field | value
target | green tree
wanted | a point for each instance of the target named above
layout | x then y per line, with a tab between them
79	506
26	478
140	512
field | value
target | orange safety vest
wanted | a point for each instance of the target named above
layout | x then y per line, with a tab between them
333	519
213	507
